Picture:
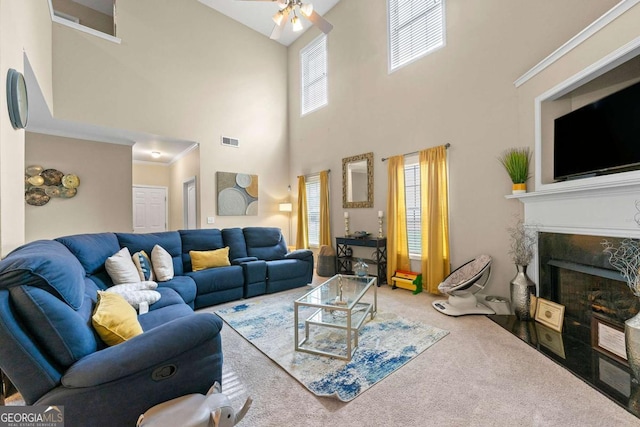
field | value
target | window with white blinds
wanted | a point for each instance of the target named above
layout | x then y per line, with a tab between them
412	201
313	209
313	68
416	28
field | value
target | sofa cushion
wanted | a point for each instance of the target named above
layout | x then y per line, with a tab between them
154	318
121	268
286	269
162	264
201	260
199	240
64	333
169	240
183	285
234	238
168	297
265	243
45	264
114	319
91	249
218	279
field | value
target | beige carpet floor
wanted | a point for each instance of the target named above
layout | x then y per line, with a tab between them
479	375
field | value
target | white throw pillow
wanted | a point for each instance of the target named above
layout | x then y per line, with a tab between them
139	286
162	264
121	268
135	297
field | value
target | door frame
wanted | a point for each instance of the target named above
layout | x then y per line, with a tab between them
185	201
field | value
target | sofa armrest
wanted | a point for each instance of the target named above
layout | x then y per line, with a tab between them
144	351
239	261
299	254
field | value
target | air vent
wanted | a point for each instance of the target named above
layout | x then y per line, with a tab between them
230	142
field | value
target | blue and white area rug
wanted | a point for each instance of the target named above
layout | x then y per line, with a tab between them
386	343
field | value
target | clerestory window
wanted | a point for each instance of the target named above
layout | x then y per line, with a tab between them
416	28
313	69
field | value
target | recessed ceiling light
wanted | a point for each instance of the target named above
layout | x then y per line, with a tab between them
155	154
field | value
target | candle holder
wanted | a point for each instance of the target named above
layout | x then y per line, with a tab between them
346	226
380	227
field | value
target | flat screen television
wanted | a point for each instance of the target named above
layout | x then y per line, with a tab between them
600	138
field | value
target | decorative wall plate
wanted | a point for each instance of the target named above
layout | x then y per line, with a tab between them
36	180
52	191
36	197
34	170
67	193
70	181
52	176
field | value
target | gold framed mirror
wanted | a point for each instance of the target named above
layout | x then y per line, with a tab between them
357	181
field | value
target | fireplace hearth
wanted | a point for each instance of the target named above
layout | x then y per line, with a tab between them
575	272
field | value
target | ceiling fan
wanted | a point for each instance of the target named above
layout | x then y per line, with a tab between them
288	7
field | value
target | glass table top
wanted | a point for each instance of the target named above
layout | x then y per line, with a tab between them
339	291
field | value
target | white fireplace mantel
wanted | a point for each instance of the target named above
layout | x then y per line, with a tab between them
611	210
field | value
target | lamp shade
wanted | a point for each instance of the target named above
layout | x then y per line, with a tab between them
297	25
286	207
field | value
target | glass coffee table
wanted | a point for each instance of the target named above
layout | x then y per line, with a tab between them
339	306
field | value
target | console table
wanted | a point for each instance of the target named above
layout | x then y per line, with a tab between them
345	260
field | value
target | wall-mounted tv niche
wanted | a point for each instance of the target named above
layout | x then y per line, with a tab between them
602	137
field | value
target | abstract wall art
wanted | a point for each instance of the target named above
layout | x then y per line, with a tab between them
237	193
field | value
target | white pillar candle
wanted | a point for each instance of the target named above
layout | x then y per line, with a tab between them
380	214
346	214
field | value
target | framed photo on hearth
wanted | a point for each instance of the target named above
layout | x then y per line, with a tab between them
550	314
607	337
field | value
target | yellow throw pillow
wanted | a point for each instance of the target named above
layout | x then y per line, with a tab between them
201	260
114	319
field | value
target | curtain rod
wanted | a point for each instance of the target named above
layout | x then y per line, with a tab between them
447	145
313	174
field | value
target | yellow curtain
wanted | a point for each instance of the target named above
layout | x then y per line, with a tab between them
325	228
302	234
434	195
397	243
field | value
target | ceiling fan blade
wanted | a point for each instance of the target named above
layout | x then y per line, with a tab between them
319	22
277	29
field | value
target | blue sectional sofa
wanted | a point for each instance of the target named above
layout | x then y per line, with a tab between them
48	293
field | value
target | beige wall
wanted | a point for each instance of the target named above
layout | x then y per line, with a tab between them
209	77
87	16
25	32
103	202
462	94
151	174
613	36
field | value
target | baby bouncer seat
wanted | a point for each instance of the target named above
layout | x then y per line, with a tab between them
462	285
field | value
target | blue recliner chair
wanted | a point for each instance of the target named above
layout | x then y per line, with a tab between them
51	353
285	270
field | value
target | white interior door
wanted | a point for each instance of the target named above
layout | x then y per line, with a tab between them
149	209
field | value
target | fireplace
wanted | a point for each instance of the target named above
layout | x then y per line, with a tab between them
574	272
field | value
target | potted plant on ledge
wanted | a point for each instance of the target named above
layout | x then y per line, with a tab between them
516	162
